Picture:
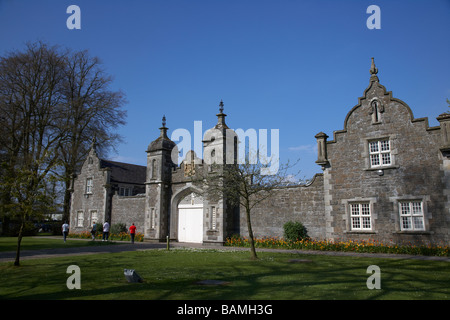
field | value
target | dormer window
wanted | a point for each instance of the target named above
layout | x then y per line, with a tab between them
124	191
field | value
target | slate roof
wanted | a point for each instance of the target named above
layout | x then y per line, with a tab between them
125	172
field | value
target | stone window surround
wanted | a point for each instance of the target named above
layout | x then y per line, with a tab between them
153	168
152	218
395	215
80	219
365	155
360	216
347	215
376	109
93	216
383	149
411	207
213	225
426	214
89	186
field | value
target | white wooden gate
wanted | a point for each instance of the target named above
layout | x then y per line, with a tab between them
190	219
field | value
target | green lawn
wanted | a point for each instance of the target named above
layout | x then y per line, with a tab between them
174	274
36	243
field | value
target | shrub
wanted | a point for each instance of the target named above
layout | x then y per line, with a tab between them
122	236
118	228
14	227
56	228
294	231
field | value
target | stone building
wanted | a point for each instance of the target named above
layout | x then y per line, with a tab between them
386	176
107	191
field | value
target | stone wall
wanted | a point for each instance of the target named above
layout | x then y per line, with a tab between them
303	203
128	210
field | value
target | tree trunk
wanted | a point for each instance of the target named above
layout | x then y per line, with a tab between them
250	234
67	200
19	240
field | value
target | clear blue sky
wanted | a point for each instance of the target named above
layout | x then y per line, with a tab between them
297	66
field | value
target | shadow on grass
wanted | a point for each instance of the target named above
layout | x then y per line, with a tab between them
174	276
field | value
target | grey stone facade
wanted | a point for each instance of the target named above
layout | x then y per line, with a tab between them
107	191
386	177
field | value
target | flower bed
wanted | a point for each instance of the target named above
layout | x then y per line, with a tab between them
122	236
371	246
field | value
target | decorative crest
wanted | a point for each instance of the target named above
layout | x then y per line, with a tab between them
221	106
164	121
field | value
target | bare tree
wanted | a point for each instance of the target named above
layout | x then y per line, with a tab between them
94	112
247	184
52	103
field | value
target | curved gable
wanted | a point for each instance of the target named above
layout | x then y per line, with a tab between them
373	108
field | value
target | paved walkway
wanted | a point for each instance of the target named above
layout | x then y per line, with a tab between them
139	246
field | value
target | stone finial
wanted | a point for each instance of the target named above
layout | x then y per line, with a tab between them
444	121
94	143
221	118
163	129
322	157
162	142
373	71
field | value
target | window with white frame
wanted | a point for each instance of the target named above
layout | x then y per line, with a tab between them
152	218
89	185
80	218
411	215
94	217
360	216
380	153
213	218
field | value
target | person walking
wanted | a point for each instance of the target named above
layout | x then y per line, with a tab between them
132	230
94	231
105	231
65	230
